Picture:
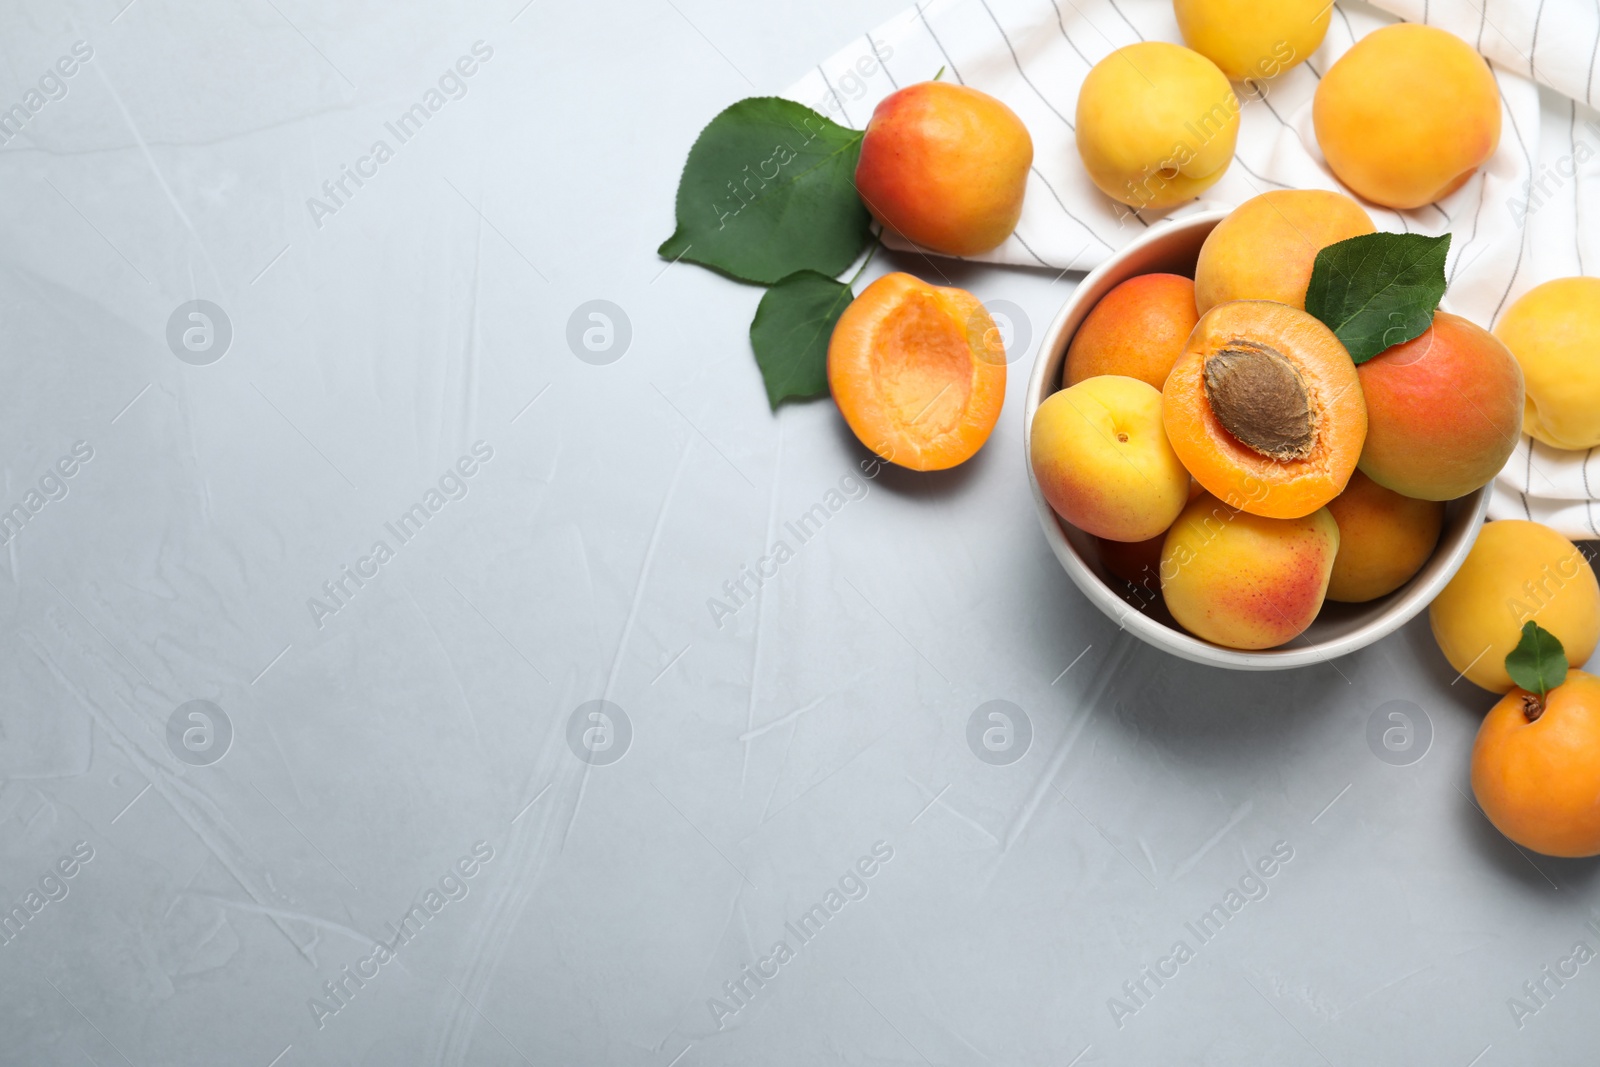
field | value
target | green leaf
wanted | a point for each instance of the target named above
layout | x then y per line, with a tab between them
790	334
1538	663
1378	290
769	189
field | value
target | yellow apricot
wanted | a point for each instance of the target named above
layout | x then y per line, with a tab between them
1156	124
1266	247
1517	572
1407	115
1253	38
1554	331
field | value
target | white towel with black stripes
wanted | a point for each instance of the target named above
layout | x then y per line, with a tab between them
1528	216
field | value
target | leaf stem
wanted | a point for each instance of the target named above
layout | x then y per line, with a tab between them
877	243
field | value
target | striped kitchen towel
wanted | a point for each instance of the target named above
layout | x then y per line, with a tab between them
1524	219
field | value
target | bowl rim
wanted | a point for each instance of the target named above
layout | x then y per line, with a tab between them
1404	606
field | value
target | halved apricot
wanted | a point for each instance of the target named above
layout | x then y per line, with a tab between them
918	371
1264	408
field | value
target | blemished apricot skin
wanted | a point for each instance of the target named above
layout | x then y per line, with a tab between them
1265	248
1384	538
1137	329
1517	572
1553	330
945	166
1244	581
1444	411
918	371
1407	115
1539	781
1156	124
1102	459
1233	471
1253	38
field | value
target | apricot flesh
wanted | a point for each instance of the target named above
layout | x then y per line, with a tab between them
1102	461
1517	572
1553	330
945	166
1304	457
1445	410
1137	329
1253	38
1407	115
1384	538
1265	248
1156	124
1246	581
918	371
1538	781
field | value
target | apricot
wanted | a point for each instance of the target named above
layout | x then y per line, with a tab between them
1137	329
918	371
1156	124
1265	410
1517	572
1265	248
1136	562
1553	330
945	166
1243	580
1407	115
1384	538
1536	767
1102	459
1253	38
1444	411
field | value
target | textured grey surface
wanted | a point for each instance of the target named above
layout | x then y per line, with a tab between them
379	751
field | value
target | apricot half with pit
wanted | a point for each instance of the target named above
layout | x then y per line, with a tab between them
1264	408
918	371
1246	581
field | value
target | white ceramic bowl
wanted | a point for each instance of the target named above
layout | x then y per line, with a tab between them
1172	247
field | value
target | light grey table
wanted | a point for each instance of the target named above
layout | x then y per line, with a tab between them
395	747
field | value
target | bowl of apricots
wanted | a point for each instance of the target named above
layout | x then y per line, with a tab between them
1219	476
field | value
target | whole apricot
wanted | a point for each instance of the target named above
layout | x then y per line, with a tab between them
1265	410
1443	410
1253	38
1156	124
1137	329
1517	572
1265	248
1553	330
1384	538
918	372
1536	767
1407	115
945	166
1102	460
1245	581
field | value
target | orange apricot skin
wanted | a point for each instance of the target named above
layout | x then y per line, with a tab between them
918	372
1137	329
1539	782
1265	248
1231	470
1445	411
945	166
1242	580
1407	115
1384	538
